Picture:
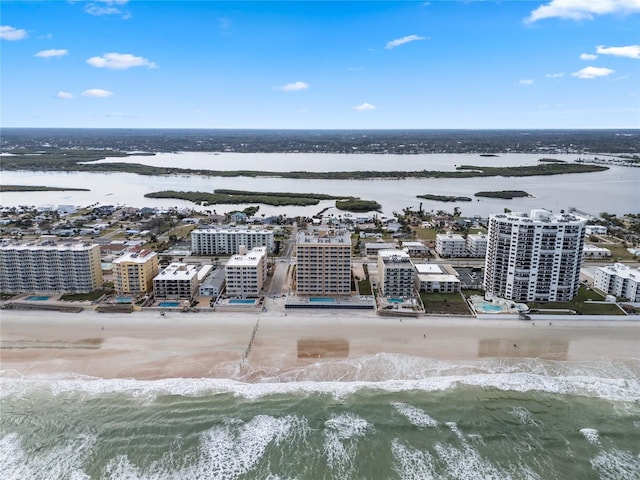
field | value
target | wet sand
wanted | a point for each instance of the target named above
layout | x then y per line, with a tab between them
146	345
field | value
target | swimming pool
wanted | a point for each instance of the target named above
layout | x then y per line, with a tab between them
169	304
395	300
242	301
485	307
123	299
38	298
322	300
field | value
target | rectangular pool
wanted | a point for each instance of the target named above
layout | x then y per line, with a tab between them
38	298
322	300
242	301
169	304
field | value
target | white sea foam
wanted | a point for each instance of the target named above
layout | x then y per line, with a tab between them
616	465
341	436
587	379
412	464
62	461
591	434
523	416
416	416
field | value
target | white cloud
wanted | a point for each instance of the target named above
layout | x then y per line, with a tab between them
526	82
64	95
10	33
630	51
583	10
293	87
364	107
106	7
97	92
555	75
120	61
588	56
592	72
401	41
52	53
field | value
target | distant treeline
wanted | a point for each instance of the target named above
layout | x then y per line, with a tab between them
85	161
507	194
328	141
37	188
444	198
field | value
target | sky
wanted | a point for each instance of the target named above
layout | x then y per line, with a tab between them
474	64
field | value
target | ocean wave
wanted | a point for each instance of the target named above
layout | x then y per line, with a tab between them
616	381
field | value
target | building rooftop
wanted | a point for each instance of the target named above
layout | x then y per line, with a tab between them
140	256
178	271
325	236
251	258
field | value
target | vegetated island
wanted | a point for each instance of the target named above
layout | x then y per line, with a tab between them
444	198
234	197
38	188
506	194
551	160
85	161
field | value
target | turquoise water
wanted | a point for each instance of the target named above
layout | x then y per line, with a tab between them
322	300
123	299
395	300
168	304
490	419
242	301
38	298
488	307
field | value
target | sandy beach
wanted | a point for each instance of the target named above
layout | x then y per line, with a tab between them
147	345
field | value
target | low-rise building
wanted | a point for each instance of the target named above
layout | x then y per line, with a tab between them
212	284
619	280
397	274
591	251
450	245
416	249
178	281
133	272
432	278
246	272
595	230
477	245
372	248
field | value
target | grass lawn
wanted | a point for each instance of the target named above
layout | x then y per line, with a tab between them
445	303
364	287
425	233
578	304
81	297
618	252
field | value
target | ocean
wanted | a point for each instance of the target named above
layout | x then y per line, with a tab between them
427	419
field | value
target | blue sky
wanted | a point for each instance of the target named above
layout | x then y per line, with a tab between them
323	65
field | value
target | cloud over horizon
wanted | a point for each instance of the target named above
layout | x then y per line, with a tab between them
293	87
97	93
52	53
11	33
364	107
629	51
401	41
106	7
64	95
583	10
593	72
120	61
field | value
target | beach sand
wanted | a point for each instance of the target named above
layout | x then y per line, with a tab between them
147	345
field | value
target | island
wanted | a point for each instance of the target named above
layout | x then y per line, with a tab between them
38	188
444	198
505	194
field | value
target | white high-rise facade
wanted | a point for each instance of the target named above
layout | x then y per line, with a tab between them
323	263
227	240
534	257
246	272
397	274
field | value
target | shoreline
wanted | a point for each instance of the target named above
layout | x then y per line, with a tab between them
315	346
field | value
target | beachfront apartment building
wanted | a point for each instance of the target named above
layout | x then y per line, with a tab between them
50	266
177	281
226	240
534	257
433	278
450	245
476	245
133	272
323	262
246	272
620	280
397	274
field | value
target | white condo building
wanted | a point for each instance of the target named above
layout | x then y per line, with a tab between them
477	244
450	245
178	281
619	280
534	257
246	272
50	266
397	274
323	263
227	240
